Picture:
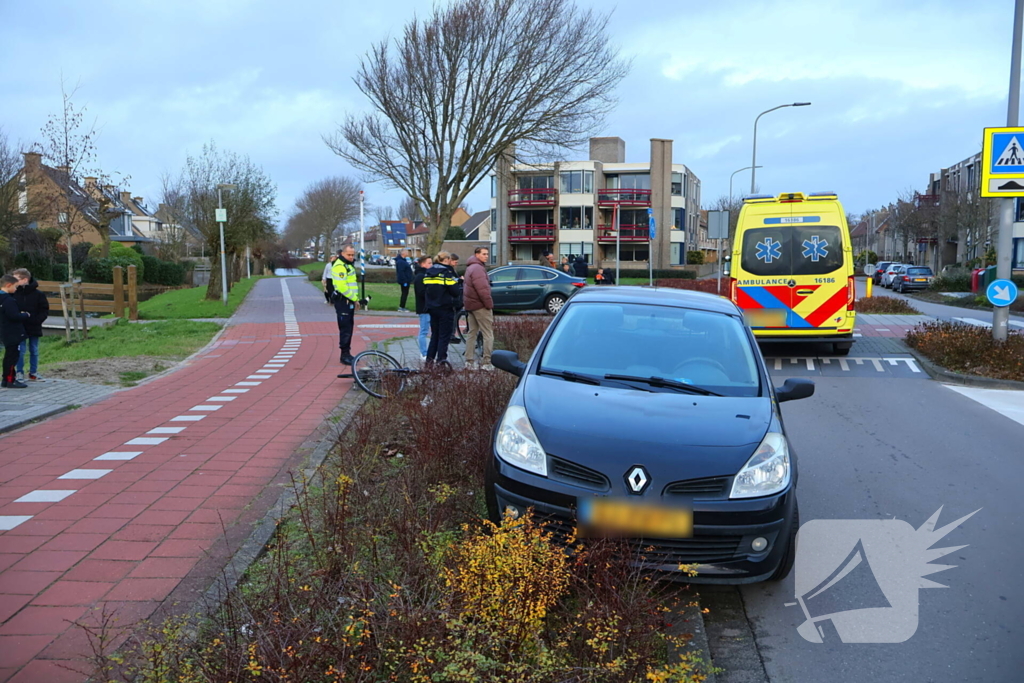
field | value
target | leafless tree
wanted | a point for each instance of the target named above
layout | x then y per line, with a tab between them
384	212
409	208
472	81
327	204
12	217
733	206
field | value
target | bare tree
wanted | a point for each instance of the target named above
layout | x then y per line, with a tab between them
327	204
410	208
12	215
384	212
474	80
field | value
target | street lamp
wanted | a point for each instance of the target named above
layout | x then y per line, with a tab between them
222	217
745	168
753	161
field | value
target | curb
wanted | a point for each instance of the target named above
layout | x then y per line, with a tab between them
690	619
37	418
943	375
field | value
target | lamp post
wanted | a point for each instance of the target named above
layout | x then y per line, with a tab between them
740	170
753	160
222	217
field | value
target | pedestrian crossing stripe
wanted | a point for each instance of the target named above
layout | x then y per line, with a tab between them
812	363
1012	156
982	323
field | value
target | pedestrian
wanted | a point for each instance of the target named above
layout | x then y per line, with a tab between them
480	306
548	260
327	280
423	263
564	262
403	272
443	298
12	331
30	300
580	266
599	277
346	296
567	268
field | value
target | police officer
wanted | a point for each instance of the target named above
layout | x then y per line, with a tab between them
345	297
443	294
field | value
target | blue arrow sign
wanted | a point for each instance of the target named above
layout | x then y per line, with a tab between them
1001	292
654	229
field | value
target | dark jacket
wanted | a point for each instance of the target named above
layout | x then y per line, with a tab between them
403	271
12	320
419	291
442	288
32	301
477	290
579	266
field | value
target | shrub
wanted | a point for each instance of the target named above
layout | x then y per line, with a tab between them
118	255
38	264
970	349
520	333
668	273
709	285
695	257
865	257
316	275
952	281
885	305
165	273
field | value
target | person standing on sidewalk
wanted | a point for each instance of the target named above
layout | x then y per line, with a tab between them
403	272
423	263
32	301
480	307
12	331
443	298
327	280
346	296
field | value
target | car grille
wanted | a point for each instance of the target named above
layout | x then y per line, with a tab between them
663	551
578	475
710	487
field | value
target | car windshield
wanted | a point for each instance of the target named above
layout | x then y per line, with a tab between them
919	271
701	348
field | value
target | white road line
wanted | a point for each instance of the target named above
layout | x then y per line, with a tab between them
119	455
44	496
857	334
206	408
259	376
84	474
246	384
266	370
222	399
230	391
166	430
391	325
1006	402
882	329
146	441
189	418
972	321
8	522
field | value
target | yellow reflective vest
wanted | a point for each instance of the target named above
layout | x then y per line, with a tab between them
343	274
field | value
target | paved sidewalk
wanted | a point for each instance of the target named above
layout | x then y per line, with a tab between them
19	407
137	501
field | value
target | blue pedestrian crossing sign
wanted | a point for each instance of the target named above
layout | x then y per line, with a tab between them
652	224
1003	163
1001	292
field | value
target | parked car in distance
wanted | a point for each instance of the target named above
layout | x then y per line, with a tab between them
532	288
879	269
913	277
649	414
889	273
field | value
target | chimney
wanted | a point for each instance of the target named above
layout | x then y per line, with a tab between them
126	197
608	150
90	182
137	200
64	169
33	161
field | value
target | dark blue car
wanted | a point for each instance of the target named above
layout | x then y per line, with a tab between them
649	414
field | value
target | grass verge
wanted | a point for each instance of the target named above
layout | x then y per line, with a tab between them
970	350
885	305
168	339
192	303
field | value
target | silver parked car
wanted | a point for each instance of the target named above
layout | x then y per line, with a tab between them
912	277
889	273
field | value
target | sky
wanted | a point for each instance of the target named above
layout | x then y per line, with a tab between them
899	89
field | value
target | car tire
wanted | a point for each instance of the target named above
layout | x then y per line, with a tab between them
553	304
789	557
842	349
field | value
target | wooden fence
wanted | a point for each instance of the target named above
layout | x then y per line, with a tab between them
97	298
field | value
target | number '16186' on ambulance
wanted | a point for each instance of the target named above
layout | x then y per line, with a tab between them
792	269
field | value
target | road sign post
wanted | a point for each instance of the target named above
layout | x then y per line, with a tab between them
652	234
718	228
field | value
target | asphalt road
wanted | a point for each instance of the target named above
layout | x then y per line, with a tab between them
896	447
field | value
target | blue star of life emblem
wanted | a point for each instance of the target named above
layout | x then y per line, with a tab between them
815	248
769	250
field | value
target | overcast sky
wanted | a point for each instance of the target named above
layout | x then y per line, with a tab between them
899	88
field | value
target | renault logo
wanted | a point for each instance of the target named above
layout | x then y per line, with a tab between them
637	479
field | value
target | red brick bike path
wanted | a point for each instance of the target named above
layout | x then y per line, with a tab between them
157	528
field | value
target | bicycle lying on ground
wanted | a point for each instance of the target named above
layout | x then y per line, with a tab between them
381	375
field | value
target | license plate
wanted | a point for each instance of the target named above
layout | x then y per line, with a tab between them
920	279
766	317
618	517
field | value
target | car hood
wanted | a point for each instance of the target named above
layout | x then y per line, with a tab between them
675	436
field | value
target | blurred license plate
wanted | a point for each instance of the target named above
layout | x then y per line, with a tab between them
920	279
766	317
617	517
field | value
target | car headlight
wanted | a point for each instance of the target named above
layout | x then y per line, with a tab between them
766	472
517	444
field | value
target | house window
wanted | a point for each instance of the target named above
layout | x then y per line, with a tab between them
677	184
62	218
678	219
573	249
576	217
539	182
577	182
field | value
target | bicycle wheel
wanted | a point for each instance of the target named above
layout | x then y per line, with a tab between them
378	374
462	324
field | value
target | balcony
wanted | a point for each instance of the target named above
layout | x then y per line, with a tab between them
610	198
630	233
532	197
531	233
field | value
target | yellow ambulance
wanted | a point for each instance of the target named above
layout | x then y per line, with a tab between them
792	269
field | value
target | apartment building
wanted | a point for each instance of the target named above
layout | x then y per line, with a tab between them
571	207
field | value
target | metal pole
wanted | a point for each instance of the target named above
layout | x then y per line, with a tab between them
248	264
618	242
1004	241
223	258
753	160
362	250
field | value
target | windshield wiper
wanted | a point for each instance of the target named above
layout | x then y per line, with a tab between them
666	383
571	376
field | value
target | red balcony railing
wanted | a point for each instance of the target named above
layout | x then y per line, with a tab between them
623	197
532	196
531	233
630	233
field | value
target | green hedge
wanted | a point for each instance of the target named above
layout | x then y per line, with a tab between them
695	257
163	272
38	264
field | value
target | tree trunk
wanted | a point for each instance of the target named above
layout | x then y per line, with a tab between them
71	268
436	237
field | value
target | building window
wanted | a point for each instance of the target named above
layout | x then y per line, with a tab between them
573	249
677	253
577	182
677	184
1018	252
630	252
576	217
535	217
678	219
628	181
494	186
538	182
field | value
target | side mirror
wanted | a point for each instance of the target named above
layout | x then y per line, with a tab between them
509	362
794	389
726	268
